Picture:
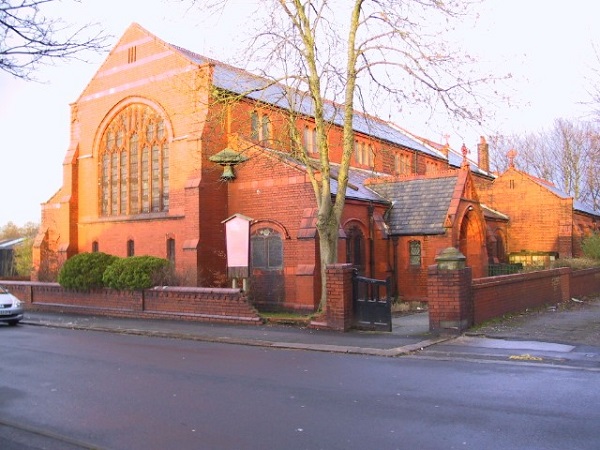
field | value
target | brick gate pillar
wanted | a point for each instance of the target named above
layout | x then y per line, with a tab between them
449	294
339	296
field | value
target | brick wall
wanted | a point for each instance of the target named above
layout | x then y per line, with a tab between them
456	302
182	303
496	296
584	282
413	280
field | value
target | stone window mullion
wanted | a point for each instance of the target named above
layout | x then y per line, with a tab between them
133	164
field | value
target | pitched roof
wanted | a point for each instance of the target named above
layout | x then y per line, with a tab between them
490	213
420	205
10	243
454	158
356	177
577	204
356	185
244	83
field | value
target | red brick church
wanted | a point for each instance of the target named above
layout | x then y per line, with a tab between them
155	166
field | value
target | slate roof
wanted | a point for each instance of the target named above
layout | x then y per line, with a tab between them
356	178
490	213
261	89
419	206
10	243
356	185
454	158
577	205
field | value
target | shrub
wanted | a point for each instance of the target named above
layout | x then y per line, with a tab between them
575	263
591	246
138	272
85	270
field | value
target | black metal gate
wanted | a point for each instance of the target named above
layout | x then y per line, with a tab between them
372	303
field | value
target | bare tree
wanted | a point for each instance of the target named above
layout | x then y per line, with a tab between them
28	37
10	230
340	56
566	154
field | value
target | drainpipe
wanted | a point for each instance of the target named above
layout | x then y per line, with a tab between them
370	210
393	264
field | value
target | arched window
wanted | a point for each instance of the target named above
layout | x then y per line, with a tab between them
265	128
402	164
260	127
309	140
171	250
500	247
414	250
130	248
134	163
364	153
266	247
254	126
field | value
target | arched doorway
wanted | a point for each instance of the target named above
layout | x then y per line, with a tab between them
267	286
471	244
501	247
355	248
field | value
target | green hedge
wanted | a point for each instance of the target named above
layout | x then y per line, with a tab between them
85	270
138	272
591	246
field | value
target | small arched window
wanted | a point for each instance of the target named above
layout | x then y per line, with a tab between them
414	250
265	128
309	140
260	127
130	248
266	248
254	126
402	164
171	250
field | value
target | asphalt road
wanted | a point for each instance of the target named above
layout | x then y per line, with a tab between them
103	390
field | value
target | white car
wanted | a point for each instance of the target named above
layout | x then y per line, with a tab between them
11	308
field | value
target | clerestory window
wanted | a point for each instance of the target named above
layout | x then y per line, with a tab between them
260	125
134	163
364	154
402	164
309	140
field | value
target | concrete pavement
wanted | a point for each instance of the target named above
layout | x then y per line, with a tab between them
566	334
410	333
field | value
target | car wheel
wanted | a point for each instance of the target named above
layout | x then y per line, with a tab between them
12	323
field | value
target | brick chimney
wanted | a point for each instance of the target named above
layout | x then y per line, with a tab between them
483	154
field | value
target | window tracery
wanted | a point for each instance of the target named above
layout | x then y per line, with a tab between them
134	163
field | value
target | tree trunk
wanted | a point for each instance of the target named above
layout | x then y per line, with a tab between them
327	226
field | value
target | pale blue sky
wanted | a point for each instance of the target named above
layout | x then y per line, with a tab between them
545	43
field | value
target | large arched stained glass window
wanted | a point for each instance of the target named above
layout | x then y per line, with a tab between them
134	163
